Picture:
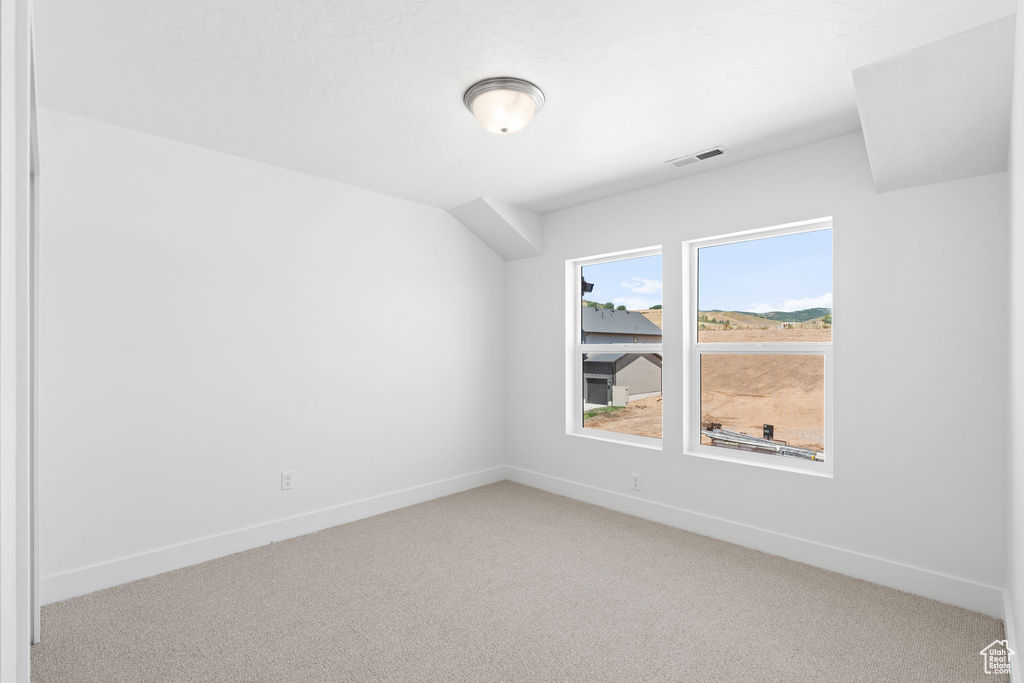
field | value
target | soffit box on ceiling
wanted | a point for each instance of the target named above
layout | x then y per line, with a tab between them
370	93
513	233
941	111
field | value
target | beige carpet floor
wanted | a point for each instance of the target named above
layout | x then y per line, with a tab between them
507	583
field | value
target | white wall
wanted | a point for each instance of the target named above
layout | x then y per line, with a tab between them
920	373
207	322
1015	469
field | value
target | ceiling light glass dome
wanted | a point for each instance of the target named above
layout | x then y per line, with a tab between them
504	105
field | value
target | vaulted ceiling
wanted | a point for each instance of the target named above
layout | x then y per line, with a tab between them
370	93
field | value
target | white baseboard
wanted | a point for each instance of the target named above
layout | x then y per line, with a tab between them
953	590
949	589
56	587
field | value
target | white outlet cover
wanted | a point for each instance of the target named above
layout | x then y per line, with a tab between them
636	481
288	480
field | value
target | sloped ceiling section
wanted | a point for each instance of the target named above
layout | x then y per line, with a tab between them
369	93
939	112
512	232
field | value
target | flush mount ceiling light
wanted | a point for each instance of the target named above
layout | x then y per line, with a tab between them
503	105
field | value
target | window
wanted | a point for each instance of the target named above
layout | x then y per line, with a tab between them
759	347
615	347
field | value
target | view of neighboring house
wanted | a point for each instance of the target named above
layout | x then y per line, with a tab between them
639	374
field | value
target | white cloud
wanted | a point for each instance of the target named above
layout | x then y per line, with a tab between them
823	301
634	303
642	285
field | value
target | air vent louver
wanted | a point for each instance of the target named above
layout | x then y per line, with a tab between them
699	156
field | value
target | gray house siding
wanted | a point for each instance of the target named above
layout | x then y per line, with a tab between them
610	338
640	374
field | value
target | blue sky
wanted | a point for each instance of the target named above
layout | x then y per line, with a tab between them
634	283
788	273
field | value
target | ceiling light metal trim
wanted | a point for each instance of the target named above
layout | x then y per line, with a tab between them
516	84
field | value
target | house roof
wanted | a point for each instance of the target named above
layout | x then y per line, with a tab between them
611	357
603	357
617	322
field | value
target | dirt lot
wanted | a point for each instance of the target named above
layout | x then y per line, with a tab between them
745	392
642	418
773	335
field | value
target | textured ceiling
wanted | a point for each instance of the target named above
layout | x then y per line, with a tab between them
369	93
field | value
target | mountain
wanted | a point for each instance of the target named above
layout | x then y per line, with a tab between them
793	316
745	317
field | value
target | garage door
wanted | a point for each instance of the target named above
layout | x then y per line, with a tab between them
597	391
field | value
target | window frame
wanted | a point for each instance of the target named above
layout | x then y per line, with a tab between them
693	350
575	349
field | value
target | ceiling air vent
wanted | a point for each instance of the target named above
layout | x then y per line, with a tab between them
699	156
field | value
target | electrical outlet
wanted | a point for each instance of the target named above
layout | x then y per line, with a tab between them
636	481
288	480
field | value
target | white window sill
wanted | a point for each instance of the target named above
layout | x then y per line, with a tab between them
647	442
765	461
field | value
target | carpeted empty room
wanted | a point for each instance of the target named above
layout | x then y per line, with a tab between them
511	340
507	583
